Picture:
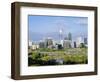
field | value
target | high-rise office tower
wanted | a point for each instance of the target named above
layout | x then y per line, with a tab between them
60	35
85	40
74	44
69	36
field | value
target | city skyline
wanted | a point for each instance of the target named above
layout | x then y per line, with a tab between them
49	26
57	40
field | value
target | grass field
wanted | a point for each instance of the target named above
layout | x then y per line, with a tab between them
45	56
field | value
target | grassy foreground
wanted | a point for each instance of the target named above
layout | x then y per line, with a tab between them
44	57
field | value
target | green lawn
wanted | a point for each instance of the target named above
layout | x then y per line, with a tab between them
49	56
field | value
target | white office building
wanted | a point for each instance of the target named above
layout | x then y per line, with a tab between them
30	43
79	41
35	46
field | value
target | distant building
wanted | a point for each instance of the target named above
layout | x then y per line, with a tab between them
54	43
60	34
66	38
69	36
79	41
75	44
42	44
85	40
62	41
30	43
35	46
48	42
67	44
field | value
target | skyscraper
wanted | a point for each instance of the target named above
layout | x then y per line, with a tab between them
69	36
67	41
60	35
74	44
85	40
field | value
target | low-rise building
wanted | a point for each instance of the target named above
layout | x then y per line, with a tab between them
35	46
67	44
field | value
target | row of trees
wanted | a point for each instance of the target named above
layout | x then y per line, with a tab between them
45	59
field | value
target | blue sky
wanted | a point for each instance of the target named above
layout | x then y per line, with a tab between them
49	26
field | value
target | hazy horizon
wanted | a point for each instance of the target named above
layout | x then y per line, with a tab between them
48	26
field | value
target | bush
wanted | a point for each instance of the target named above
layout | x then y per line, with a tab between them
30	61
79	57
36	56
75	59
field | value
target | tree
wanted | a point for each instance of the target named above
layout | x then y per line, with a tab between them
60	46
82	45
36	56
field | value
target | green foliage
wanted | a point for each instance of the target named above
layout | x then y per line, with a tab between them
46	49
82	45
36	55
75	59
60	46
46	58
40	58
